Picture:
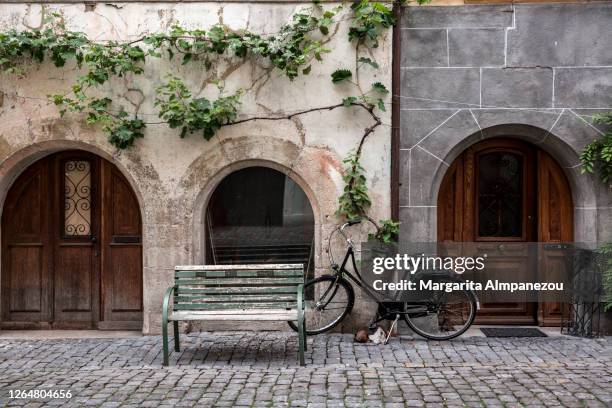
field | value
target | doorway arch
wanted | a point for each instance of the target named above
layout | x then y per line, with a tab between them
71	246
258	214
507	190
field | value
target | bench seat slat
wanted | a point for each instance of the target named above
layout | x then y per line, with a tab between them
244	315
245	306
237	298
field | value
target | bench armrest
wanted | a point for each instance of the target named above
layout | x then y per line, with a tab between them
166	301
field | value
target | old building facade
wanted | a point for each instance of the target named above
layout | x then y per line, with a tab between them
518	79
520	84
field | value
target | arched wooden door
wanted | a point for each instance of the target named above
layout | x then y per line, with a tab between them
71	247
506	190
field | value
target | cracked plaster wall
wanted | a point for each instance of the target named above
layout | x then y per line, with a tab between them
172	177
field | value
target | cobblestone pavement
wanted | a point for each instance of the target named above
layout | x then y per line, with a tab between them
260	369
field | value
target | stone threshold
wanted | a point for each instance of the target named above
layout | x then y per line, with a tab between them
66	334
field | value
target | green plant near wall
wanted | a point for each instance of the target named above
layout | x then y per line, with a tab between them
606	251
387	232
292	51
597	155
354	201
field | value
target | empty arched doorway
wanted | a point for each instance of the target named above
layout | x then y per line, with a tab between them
259	215
507	190
71	246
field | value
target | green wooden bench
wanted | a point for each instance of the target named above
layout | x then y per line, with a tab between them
265	292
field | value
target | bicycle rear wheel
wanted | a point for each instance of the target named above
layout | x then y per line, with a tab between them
328	300
442	315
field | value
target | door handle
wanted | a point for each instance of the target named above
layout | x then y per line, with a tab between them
94	240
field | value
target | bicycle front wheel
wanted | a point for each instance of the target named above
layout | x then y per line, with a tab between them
328	300
442	315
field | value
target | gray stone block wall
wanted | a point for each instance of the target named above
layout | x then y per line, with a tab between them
537	72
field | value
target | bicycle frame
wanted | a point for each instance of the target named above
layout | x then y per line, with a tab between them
341	271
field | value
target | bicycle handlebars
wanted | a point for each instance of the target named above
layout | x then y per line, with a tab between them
340	229
353	222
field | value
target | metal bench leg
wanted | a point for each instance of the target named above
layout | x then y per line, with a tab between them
305	335
301	341
300	323
165	339
165	304
176	336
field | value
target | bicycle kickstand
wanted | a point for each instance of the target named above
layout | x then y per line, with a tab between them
393	326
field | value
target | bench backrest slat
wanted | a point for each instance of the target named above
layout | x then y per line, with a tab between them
220	274
224	290
288	297
240	282
218	287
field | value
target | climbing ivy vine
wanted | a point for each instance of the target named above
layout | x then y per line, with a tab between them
606	260
292	51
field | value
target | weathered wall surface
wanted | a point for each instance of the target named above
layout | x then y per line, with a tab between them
536	72
173	178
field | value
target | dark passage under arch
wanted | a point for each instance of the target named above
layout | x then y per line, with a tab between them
259	215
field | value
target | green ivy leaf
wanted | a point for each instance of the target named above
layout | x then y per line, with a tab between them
340	75
369	62
348	101
58	99
380	88
307	70
388	232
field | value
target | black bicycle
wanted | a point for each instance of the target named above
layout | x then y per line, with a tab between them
437	315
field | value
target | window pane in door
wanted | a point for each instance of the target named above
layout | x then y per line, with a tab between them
77	198
500	195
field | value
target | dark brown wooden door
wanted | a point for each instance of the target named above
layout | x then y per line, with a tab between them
26	249
75	215
121	254
495	192
58	227
555	224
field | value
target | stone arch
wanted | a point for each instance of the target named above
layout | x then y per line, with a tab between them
12	166
584	194
316	170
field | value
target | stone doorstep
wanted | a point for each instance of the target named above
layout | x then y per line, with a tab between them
66	334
